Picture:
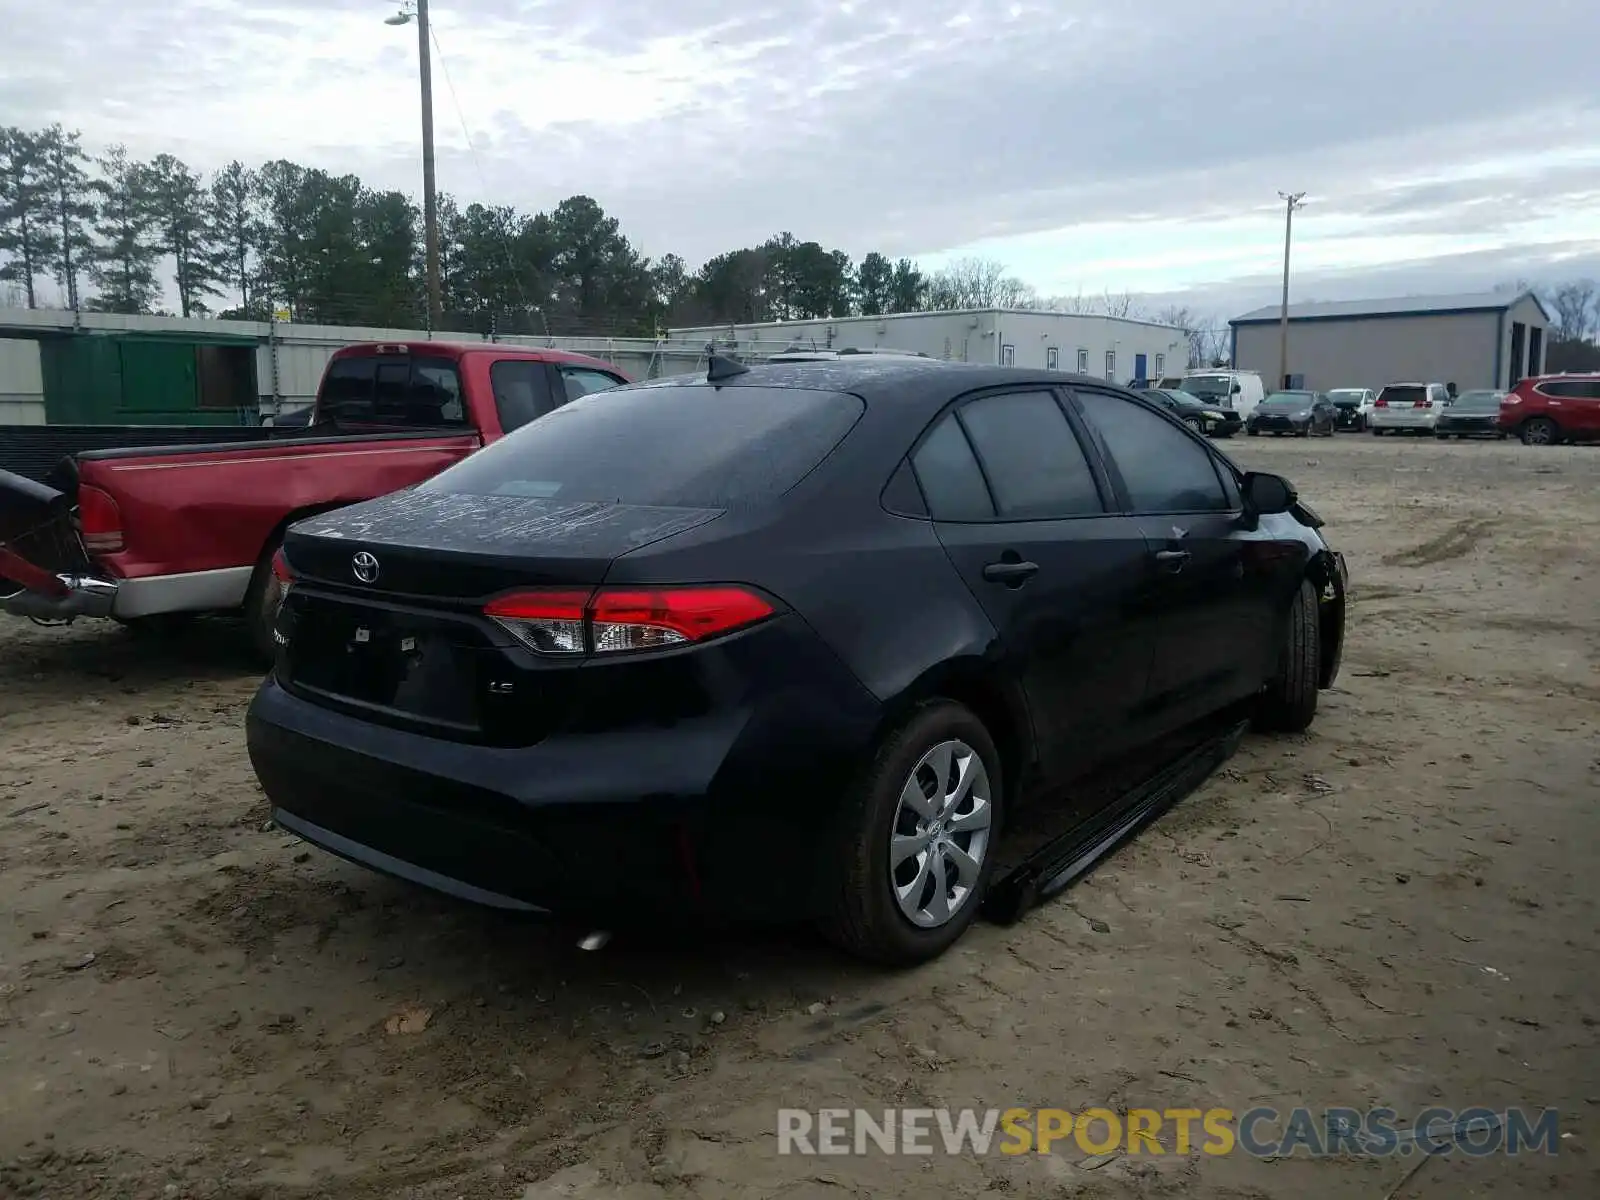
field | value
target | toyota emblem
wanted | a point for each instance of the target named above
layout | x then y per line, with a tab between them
365	567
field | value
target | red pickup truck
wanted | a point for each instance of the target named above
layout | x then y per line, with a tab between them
151	535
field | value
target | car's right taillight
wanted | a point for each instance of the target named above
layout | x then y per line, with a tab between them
99	521
1510	398
615	620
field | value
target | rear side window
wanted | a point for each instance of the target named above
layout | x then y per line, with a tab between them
1035	466
1163	468
1571	389
392	390
687	446
580	381
521	391
950	476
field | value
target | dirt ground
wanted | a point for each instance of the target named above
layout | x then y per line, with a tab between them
1398	908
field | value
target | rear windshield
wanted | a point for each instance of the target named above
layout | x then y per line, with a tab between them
1403	394
1287	400
689	446
1478	401
391	389
1346	395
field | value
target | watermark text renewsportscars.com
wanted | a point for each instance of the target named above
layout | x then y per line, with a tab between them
1259	1132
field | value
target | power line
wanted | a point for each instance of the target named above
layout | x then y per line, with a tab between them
483	180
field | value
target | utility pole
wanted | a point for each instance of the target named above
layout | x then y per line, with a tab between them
1291	201
430	202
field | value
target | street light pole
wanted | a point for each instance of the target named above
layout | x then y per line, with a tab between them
1291	201
430	202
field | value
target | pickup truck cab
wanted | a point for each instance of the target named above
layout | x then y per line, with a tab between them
145	536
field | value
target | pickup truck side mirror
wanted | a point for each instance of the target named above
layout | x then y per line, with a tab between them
1264	493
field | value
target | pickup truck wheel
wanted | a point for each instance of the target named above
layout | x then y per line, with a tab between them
261	607
917	843
1289	702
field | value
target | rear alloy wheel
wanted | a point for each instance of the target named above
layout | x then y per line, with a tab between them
1540	431
916	846
1289	702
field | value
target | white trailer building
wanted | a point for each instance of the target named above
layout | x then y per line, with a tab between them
1107	347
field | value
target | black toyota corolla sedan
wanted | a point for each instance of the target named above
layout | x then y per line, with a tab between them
781	642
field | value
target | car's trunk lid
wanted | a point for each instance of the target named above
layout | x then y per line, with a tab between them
386	615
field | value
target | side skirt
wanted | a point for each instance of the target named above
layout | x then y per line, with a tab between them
1062	861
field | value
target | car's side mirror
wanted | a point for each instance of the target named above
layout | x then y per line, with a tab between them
1264	493
1236	389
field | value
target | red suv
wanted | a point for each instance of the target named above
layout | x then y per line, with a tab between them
1545	410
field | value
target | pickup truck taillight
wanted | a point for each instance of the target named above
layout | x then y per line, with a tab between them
280	569
99	521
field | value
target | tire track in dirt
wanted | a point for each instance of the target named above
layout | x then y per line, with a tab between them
1456	542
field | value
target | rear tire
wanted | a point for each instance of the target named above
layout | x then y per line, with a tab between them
1540	431
1289	703
868	918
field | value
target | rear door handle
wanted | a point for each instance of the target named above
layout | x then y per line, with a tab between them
1010	572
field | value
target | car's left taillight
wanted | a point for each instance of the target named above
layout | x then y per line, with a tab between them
281	570
567	623
99	521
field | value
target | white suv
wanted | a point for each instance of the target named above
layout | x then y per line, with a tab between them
1413	407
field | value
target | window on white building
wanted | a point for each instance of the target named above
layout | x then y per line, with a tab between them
1052	359
1008	356
1111	364
1083	362
1161	365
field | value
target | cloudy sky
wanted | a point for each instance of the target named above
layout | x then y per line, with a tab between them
1135	145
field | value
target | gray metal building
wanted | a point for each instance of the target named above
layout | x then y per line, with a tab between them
1109	347
1474	341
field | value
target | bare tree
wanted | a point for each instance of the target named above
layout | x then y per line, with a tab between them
978	283
1078	304
1577	313
1122	305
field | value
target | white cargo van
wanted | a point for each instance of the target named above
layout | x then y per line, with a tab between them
1239	390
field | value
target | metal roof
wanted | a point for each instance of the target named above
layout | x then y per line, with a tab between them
1399	306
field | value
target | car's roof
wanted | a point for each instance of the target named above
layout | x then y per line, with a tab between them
459	350
921	384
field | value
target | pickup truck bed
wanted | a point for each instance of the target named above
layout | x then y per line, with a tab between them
140	532
34	451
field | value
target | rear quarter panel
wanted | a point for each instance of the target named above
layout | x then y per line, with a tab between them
215	509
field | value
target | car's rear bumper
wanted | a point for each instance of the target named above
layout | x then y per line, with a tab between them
724	814
1402	418
66	597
